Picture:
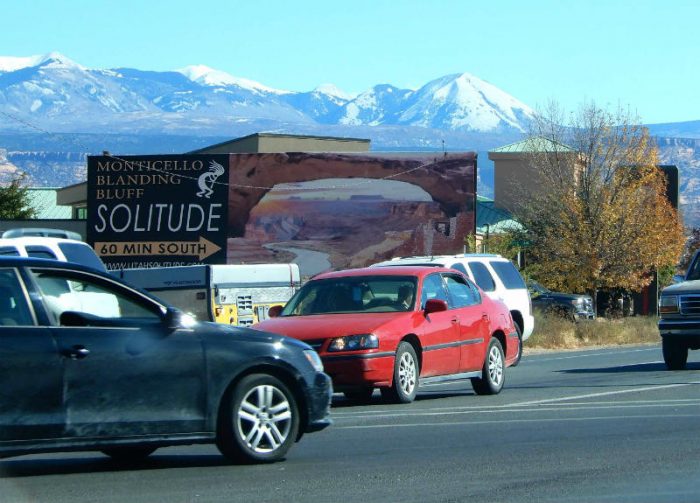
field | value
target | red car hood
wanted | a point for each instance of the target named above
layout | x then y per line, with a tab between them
323	326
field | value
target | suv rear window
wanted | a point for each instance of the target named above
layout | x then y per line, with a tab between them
9	251
81	254
509	275
482	276
40	252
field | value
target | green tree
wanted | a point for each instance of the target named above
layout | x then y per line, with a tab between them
596	216
14	200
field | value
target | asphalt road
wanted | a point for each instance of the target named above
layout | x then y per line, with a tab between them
598	425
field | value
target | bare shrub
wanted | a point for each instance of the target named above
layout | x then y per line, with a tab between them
553	332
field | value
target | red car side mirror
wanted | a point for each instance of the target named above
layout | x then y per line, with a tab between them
435	306
274	311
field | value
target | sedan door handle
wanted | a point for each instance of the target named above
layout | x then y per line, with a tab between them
485	317
76	352
455	320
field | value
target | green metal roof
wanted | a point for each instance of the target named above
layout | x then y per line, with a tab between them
43	200
536	144
491	219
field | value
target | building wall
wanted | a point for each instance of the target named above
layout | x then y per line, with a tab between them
512	179
249	144
515	178
270	144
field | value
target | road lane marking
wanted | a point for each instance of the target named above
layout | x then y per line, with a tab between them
513	421
370	412
606	393
567	408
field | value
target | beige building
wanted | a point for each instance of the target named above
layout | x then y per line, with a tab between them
514	176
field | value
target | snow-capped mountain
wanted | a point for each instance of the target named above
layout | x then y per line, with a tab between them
58	94
463	101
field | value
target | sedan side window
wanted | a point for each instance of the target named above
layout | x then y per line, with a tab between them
433	288
462	293
482	276
14	308
67	291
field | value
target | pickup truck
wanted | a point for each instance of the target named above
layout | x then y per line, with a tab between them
679	322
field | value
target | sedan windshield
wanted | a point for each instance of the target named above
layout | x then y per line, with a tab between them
361	294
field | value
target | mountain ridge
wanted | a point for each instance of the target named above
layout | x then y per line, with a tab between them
62	93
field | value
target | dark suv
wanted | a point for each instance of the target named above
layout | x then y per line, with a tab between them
568	305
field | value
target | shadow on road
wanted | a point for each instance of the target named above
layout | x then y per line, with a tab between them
63	466
639	367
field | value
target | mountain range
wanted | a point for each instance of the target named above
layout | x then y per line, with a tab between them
62	95
54	111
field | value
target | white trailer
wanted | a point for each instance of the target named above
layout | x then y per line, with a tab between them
231	294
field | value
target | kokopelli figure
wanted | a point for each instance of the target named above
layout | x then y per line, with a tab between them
206	180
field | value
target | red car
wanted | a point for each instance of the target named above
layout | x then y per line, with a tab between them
397	328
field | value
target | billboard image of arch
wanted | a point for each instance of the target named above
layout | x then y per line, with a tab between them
330	211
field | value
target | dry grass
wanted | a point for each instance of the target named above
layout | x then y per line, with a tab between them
552	332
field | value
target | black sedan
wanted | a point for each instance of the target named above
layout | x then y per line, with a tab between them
90	363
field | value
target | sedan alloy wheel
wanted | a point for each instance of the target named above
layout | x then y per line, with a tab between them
260	420
406	372
264	418
493	371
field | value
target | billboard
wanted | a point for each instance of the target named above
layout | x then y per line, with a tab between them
156	211
320	210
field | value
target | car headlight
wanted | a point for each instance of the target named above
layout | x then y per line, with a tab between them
668	304
314	359
354	342
577	302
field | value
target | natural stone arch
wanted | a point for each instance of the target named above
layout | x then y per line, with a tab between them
449	178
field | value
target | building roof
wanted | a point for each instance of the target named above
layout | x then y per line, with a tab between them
43	200
536	144
299	137
493	220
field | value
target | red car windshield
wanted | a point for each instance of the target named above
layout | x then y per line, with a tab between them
354	294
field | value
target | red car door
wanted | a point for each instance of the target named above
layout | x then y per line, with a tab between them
473	321
440	332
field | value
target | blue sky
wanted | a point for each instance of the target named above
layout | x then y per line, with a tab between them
642	53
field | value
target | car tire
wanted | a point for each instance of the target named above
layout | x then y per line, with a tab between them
129	454
493	372
258	420
520	346
675	353
406	372
360	395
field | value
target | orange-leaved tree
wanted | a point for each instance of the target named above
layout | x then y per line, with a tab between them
596	216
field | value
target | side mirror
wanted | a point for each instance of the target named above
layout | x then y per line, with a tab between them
174	319
275	311
435	306
678	278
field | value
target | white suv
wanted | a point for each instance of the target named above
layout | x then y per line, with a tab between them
63	250
495	275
